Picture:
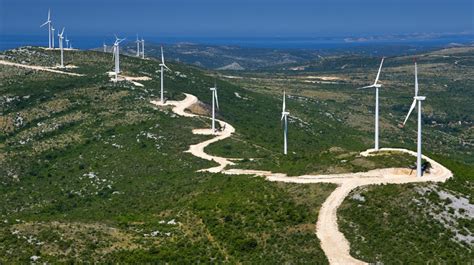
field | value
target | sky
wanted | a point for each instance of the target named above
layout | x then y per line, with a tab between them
239	18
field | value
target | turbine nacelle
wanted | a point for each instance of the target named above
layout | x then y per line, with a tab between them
284	114
214	93
165	66
49	19
376	84
117	40
162	64
415	98
60	35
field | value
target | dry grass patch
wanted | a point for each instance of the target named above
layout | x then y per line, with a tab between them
57	142
362	162
74	239
199	108
325	95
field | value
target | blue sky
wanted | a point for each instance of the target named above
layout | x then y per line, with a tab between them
239	18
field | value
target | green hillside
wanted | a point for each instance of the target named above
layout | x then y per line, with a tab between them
92	172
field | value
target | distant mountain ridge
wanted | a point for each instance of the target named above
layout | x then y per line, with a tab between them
226	57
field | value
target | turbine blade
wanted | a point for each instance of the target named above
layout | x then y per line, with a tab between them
162	56
217	101
166	67
378	74
416	80
410	111
282	116
44	24
284	103
62	32
365	87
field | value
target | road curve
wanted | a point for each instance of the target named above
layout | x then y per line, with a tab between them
334	244
198	149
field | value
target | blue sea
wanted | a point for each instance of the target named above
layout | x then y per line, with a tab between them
89	42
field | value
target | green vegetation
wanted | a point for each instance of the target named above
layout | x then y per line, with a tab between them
424	223
90	171
390	226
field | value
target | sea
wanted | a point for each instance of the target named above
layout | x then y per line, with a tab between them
90	42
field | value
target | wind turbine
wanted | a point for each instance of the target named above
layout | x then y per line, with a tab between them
143	48
138	46
416	99
48	22
215	102
61	47
284	118
105	46
163	65
376	86
116	55
67	42
52	31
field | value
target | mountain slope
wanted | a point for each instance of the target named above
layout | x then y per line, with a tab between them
92	172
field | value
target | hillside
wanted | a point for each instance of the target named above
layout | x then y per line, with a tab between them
219	57
93	172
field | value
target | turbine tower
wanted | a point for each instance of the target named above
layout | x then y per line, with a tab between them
52	32
284	118
376	86
163	65
61	47
143	48
215	103
138	46
416	99
116	56
105	46
48	22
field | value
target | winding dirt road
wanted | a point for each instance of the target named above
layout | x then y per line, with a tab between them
334	244
38	68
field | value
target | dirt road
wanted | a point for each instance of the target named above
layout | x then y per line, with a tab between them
38	68
334	244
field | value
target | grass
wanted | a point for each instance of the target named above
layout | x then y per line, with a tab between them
94	173
95	162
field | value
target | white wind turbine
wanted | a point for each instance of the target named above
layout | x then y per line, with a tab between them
138	46
163	65
67	42
48	22
116	56
105	46
416	99
376	86
215	103
52	31
143	48
61	47
284	118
